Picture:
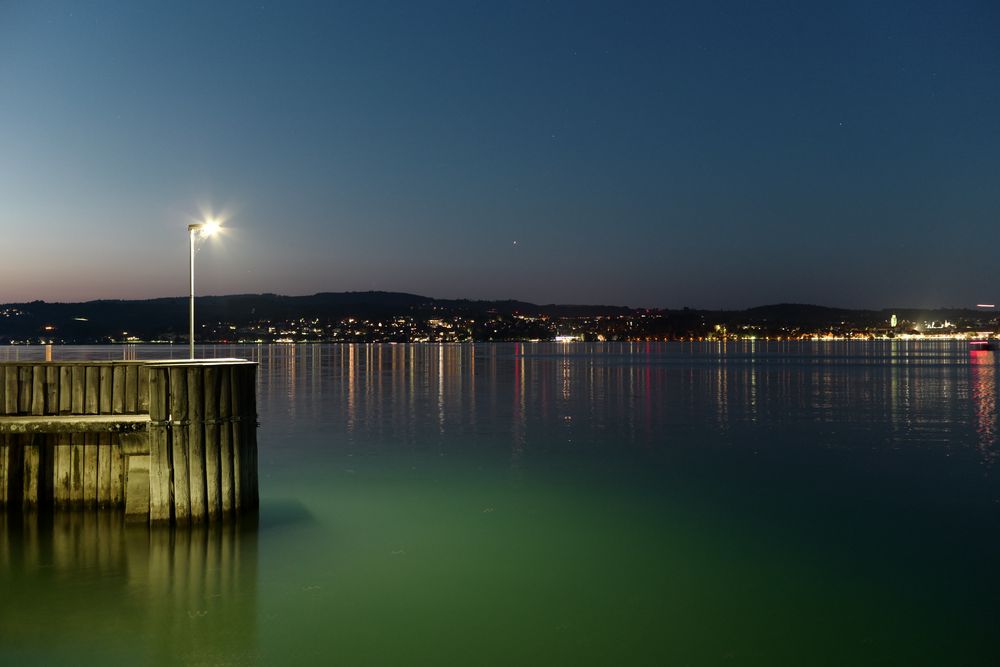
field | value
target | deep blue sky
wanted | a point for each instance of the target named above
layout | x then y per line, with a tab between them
711	154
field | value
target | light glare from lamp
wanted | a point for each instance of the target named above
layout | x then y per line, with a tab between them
210	227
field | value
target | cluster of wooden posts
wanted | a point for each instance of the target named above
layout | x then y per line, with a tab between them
165	441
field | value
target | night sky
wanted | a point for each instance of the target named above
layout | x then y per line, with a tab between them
703	154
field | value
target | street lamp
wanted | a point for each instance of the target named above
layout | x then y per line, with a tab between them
204	230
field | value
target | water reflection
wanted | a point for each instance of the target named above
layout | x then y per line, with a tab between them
648	396
403	452
190	593
983	373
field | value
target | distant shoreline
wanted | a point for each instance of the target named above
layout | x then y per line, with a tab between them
396	317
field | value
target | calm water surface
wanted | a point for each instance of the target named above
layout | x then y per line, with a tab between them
661	504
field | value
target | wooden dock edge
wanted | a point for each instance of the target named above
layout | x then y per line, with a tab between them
167	441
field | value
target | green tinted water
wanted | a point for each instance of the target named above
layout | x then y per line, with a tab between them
544	504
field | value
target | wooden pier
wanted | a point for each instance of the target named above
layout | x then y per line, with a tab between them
167	441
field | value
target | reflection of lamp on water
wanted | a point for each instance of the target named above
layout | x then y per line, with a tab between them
203	229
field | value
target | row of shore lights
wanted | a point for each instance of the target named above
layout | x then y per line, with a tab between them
197	230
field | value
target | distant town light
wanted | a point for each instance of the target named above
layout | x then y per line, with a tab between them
986	305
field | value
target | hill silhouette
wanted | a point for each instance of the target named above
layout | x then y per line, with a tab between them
166	318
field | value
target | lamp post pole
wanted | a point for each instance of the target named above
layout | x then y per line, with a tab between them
192	231
195	229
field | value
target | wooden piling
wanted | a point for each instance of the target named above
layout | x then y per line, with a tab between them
79	381
226	485
212	463
118	389
181	446
65	390
24	380
51	389
93	390
142	381
38	390
46	461
76	469
90	443
118	472
131	389
251	385
63	458
103	469
245	425
31	466
160	479
138	499
250	430
236	428
105	381
10	390
196	443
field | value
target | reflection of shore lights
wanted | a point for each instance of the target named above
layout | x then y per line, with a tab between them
983	389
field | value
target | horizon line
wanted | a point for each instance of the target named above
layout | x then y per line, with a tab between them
976	308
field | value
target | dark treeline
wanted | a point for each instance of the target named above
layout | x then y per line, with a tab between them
249	314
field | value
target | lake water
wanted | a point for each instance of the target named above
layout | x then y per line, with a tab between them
605	504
